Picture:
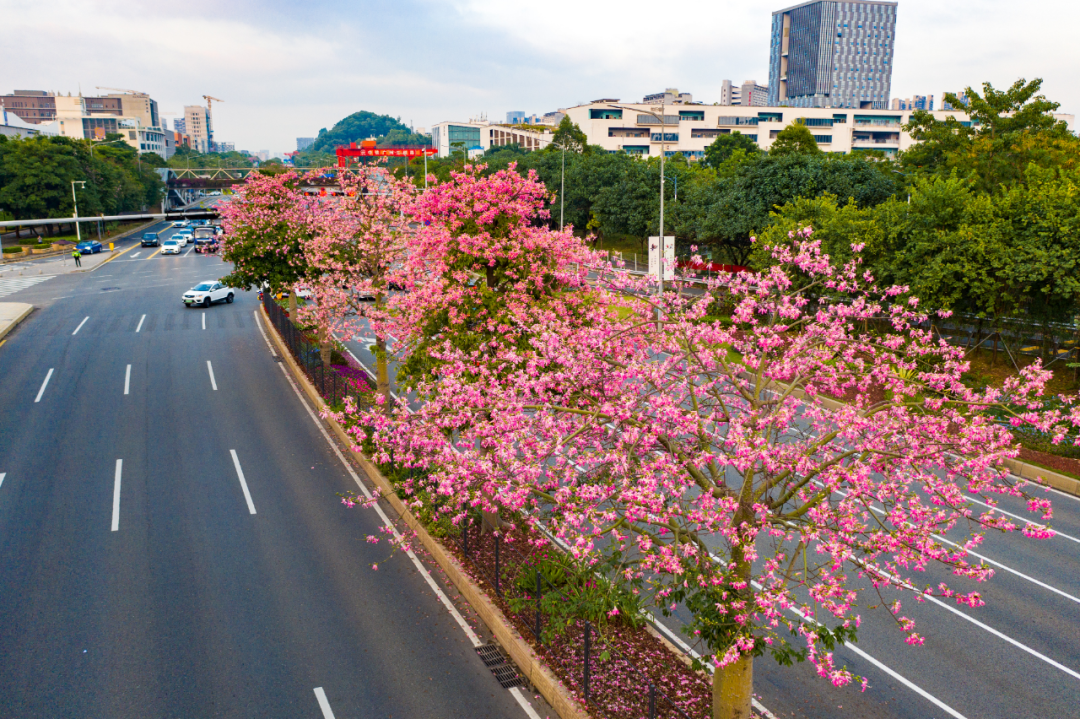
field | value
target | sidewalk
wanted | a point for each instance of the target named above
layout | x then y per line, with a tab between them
63	263
11	314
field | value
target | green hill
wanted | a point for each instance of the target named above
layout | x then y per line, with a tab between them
363	125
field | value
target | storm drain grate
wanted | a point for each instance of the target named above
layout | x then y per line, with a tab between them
504	671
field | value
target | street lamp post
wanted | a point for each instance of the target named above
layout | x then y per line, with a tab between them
662	117
562	188
82	183
904	174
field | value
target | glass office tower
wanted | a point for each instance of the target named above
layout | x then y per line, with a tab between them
832	54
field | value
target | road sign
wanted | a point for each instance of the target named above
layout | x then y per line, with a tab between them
668	255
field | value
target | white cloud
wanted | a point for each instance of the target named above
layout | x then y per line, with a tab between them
286	69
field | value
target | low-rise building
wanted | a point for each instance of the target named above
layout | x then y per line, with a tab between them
688	129
481	135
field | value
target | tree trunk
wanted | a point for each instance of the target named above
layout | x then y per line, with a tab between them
292	306
382	373
732	689
325	347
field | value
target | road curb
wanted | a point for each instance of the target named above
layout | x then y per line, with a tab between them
519	650
9	323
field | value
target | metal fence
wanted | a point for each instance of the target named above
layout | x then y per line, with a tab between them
591	663
334	383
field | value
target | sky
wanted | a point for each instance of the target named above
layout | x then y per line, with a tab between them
285	69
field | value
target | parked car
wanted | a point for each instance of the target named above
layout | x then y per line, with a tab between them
206	245
151	239
89	247
206	293
170	247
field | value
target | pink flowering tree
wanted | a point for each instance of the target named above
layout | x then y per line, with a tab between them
357	246
267	224
483	275
709	454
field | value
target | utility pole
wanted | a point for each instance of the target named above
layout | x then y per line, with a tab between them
75	200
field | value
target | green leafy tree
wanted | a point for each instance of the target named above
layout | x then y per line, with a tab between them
568	136
1009	129
724	147
795	139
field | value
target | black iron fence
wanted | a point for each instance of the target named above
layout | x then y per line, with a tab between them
334	382
591	663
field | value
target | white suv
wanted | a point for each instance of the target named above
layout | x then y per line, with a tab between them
206	293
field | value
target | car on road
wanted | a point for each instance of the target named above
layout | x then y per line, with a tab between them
206	245
180	223
151	239
170	247
187	234
182	239
89	247
207	293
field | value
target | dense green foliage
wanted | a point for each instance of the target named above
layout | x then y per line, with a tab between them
36	175
364	125
187	157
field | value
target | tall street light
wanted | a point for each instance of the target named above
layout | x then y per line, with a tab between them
81	183
662	117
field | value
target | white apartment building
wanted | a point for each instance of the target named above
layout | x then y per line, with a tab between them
633	128
481	135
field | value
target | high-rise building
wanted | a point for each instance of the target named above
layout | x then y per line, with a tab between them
197	127
961	96
303	143
827	53
749	94
515	117
753	95
917	102
179	125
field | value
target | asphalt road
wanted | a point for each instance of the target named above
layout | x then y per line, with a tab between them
1017	656
172	542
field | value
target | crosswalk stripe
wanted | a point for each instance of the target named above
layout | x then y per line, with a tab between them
14	284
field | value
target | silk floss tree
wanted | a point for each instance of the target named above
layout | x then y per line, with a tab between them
710	456
267	224
357	247
482	275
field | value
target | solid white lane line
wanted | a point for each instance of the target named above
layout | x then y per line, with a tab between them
116	496
1022	519
472	636
141	320
204	320
243	482
2	475
1010	640
385	520
677	640
320	695
44	385
189	251
213	382
80	325
127	379
913	687
258	323
983	557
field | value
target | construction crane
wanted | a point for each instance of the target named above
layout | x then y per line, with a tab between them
210	118
120	89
